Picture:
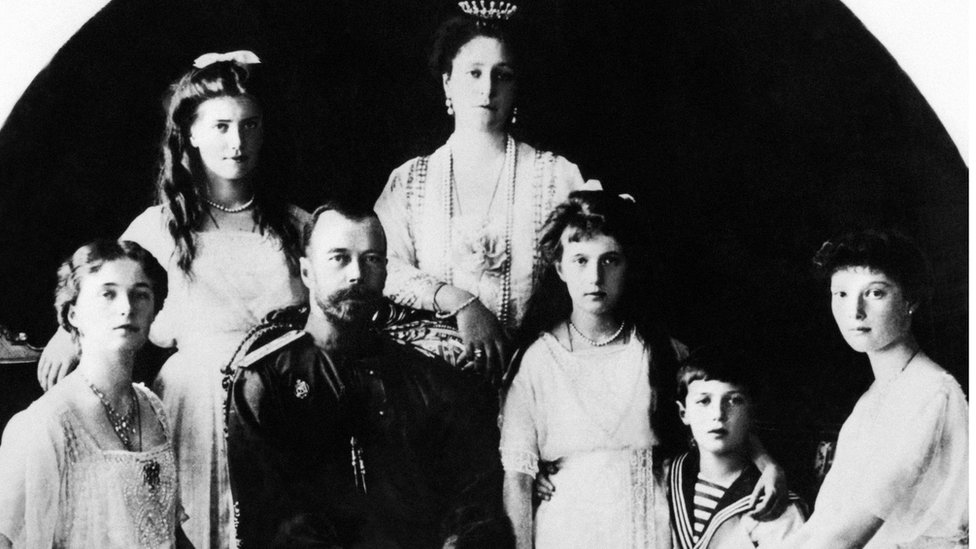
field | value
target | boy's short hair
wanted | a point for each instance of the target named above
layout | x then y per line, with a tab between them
718	362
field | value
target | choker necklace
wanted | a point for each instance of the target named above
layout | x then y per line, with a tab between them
245	206
599	342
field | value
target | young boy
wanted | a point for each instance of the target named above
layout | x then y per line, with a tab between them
709	486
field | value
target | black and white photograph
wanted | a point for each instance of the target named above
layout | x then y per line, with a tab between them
484	274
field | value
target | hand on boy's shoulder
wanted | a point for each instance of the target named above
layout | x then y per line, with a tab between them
772	532
770	496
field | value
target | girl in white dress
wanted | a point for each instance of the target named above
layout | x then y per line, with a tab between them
230	246
90	463
583	393
591	391
463	223
900	476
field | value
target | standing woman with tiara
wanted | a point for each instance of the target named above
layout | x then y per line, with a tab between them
463	223
230	246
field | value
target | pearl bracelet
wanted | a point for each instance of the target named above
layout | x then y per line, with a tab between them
452	314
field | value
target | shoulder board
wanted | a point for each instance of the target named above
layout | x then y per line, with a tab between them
275	344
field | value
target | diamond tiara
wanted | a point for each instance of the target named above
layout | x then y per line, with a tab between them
489	10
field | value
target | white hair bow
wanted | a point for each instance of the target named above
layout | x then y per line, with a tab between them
243	57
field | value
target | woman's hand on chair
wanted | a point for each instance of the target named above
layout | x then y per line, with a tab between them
59	358
486	345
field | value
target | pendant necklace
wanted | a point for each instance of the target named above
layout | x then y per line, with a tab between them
882	391
125	427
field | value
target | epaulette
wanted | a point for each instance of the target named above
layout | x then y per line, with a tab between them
257	353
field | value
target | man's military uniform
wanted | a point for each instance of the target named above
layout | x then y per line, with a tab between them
373	447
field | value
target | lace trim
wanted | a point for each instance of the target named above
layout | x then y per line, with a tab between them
543	197
414	189
519	461
641	498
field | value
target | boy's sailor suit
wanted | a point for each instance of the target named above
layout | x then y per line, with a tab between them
729	526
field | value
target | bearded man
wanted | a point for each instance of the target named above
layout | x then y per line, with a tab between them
339	436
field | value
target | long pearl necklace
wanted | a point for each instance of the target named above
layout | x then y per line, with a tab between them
599	342
448	188
245	206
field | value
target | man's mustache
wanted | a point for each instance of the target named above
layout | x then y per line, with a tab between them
355	293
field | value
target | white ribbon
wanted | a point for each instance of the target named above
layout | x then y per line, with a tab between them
242	57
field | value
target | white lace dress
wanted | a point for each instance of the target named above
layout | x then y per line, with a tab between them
590	408
428	245
238	277
903	456
58	488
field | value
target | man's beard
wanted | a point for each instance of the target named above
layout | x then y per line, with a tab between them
352	305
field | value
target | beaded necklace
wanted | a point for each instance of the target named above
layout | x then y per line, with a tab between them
223	208
599	342
125	427
448	187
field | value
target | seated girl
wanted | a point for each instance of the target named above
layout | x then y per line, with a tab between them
90	463
900	474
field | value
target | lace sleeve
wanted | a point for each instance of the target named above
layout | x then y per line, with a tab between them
406	284
520	439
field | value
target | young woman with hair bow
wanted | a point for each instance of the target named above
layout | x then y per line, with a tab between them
230	245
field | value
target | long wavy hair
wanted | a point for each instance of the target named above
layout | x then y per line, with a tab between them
182	181
586	214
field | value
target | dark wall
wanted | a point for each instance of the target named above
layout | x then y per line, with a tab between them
750	131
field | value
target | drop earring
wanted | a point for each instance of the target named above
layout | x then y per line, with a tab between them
450	106
514	115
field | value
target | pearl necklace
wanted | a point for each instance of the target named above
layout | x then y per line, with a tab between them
448	188
599	342
245	206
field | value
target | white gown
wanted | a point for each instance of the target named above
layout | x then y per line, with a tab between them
238	277
591	409
903	456
58	488
414	213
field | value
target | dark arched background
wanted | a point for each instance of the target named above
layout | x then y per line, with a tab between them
750	132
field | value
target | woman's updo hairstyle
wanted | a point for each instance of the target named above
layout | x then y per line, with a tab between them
885	251
457	31
89	259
